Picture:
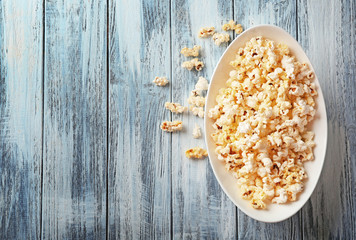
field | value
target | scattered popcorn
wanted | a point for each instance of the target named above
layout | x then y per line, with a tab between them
202	84
261	122
219	38
168	126
191	52
206	32
231	25
196	100
160	81
194	63
196	152
175	107
197	111
196	131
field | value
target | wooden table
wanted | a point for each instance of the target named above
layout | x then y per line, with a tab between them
82	155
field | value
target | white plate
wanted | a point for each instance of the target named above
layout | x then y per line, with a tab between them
274	212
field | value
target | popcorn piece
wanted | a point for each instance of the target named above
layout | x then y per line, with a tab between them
231	25
244	127
258	203
160	81
197	111
293	190
260	122
282	198
202	84
196	100
188	65
194	63
196	153
196	131
168	126
175	107
206	32
267	162
191	52
219	38
214	113
288	65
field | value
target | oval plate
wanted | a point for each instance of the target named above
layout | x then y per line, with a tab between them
274	212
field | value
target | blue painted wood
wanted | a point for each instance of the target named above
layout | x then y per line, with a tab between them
153	191
200	209
331	212
75	120
20	118
139	153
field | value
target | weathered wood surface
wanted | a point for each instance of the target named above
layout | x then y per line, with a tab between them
20	119
199	207
75	120
327	32
140	153
82	154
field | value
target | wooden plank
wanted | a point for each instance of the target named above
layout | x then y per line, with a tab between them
75	120
200	208
282	14
20	118
331	212
139	152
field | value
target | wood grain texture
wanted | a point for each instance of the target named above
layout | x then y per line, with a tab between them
284	15
20	118
327	32
75	120
200	208
139	170
95	91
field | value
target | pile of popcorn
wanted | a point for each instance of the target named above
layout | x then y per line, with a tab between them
196	99
260	122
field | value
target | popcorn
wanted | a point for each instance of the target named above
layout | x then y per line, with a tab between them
219	38
190	52
160	81
175	107
244	127
231	25
296	90
260	122
262	171
288	65
258	203
202	84
196	131
168	126
293	190
194	63
214	113
196	153
198	101
206	32
282	198
197	111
